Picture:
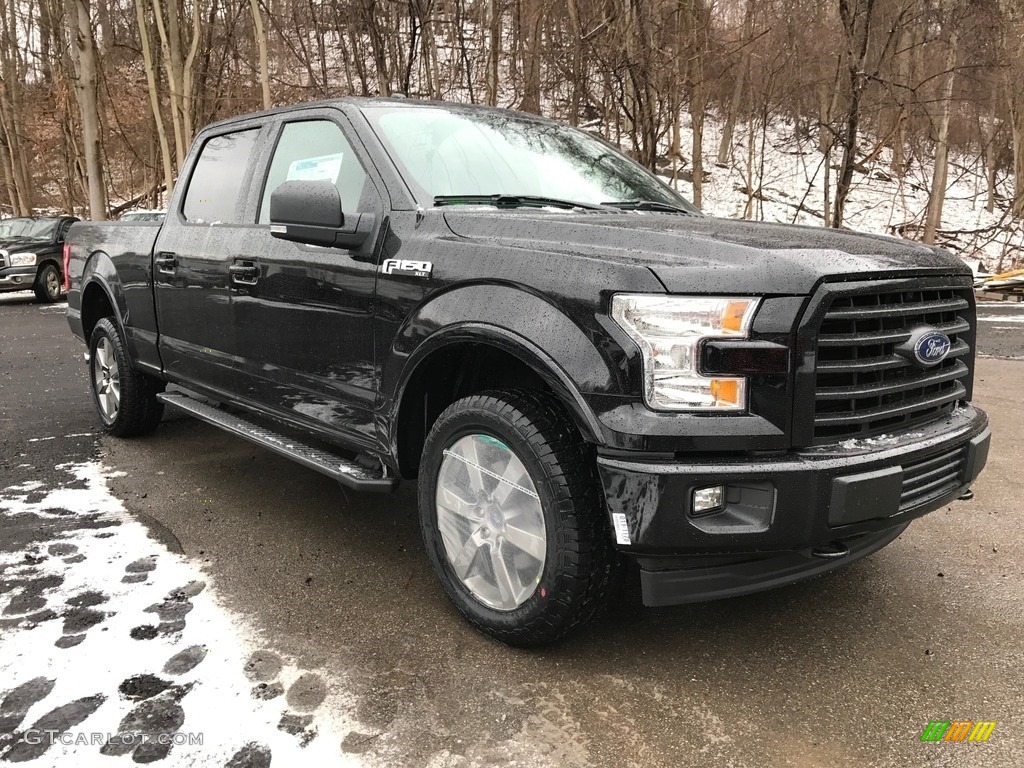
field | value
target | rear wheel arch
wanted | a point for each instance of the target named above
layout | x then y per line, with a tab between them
468	360
96	304
101	293
54	262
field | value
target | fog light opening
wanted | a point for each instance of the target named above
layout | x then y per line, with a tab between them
708	500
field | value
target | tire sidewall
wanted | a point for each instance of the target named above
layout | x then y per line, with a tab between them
42	284
479	421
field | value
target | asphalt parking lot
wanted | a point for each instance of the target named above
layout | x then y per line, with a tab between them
844	670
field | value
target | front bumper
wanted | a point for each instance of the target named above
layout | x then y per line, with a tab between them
787	516
17	278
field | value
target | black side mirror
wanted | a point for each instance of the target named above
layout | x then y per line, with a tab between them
310	212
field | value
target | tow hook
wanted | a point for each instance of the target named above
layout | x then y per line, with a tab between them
831	551
966	495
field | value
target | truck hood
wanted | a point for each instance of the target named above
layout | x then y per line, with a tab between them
25	246
706	254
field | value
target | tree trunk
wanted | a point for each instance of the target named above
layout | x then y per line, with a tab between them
154	99
531	55
494	52
261	45
857	26
933	217
725	144
171	56
84	52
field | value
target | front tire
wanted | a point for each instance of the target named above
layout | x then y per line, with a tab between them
125	399
47	286
512	518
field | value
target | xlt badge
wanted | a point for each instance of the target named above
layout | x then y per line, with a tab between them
407	267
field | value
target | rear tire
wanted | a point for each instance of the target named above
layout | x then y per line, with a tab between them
125	398
47	286
512	517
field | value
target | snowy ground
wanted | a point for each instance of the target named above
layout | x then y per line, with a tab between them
113	647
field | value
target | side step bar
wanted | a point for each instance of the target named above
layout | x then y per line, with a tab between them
345	471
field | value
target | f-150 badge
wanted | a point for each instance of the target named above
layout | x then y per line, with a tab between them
406	267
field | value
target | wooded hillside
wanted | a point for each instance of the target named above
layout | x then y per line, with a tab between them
100	99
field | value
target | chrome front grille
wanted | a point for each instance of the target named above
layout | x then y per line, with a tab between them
863	387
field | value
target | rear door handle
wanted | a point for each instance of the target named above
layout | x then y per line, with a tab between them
166	262
244	272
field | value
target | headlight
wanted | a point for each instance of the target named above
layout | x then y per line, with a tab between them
22	259
669	330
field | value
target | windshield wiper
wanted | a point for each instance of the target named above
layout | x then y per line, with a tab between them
514	201
648	205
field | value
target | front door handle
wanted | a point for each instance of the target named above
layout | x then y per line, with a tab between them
166	262
244	272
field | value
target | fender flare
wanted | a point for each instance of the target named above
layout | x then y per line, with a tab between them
519	347
99	270
515	320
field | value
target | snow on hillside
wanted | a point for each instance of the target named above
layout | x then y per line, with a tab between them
791	175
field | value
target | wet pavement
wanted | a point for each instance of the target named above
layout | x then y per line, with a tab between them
333	588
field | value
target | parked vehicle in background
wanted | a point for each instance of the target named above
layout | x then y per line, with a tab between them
31	255
577	366
143	216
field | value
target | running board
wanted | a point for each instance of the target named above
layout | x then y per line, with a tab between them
345	471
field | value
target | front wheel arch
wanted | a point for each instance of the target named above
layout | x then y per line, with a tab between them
468	359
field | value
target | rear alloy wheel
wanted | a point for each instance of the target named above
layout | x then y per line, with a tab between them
124	397
512	517
106	380
47	286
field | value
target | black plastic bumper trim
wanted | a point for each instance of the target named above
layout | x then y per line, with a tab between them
700	582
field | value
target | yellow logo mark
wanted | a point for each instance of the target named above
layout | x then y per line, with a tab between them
982	730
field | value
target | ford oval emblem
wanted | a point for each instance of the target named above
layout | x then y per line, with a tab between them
932	347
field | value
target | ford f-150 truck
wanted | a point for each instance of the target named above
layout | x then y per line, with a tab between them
580	370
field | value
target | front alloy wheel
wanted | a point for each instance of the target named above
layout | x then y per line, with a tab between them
512	518
491	521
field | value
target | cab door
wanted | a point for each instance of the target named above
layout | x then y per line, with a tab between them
305	312
202	236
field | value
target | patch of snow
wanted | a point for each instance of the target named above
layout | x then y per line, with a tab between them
1000	319
219	706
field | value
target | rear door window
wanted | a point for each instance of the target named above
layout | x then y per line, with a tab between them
216	183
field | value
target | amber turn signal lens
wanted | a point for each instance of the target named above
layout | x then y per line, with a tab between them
732	317
725	390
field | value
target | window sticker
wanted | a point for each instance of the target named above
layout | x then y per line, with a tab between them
621	528
323	168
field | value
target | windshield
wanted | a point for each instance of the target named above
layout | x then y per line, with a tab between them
28	229
460	152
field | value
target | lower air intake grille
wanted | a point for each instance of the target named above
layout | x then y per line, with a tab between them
932	478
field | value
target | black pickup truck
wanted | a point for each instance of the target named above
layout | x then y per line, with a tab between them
581	371
32	255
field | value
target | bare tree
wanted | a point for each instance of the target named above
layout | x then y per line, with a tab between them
85	59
